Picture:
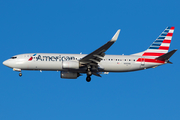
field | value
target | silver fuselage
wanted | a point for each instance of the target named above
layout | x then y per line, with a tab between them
53	62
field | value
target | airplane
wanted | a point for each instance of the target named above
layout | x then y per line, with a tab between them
97	62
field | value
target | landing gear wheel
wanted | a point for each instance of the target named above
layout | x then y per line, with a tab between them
88	78
20	74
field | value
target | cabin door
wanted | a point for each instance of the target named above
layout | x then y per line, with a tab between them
142	61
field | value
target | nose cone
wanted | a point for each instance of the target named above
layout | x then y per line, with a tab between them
7	63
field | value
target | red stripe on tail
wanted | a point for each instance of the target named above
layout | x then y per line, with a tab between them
152	54
167	41
170	34
164	48
172	28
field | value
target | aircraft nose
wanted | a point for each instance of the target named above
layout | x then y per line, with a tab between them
5	63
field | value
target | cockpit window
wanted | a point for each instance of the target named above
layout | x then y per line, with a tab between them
13	57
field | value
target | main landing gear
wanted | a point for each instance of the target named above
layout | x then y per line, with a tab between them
89	73
20	74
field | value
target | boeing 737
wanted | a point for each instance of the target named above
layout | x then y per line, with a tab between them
96	63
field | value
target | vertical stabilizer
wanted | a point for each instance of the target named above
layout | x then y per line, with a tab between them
161	45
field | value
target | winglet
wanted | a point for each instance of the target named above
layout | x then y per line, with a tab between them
114	38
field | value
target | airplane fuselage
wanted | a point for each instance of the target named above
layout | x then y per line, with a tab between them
54	62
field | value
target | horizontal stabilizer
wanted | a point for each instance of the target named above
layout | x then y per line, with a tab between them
166	56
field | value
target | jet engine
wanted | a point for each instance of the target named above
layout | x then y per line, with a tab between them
70	65
69	75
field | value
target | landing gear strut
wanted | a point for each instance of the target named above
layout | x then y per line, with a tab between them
88	78
20	74
89	73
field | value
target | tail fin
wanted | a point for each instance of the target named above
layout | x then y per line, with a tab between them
161	45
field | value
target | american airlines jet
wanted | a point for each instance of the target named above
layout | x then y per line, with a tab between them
96	63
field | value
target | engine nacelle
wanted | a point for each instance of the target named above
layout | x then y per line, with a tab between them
69	75
70	64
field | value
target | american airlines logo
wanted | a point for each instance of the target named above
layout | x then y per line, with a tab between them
52	58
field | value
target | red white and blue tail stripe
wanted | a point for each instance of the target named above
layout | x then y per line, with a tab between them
158	48
161	45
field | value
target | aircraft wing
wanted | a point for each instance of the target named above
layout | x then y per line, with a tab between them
96	56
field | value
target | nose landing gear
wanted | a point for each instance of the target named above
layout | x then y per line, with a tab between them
20	74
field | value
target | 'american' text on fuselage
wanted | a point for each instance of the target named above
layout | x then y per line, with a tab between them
54	58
